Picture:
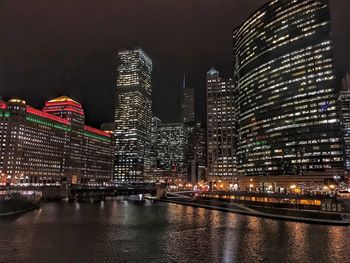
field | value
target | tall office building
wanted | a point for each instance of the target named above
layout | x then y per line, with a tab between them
133	115
344	100
156	122
172	142
187	107
286	91
220	128
196	150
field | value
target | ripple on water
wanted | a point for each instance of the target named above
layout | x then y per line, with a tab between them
120	231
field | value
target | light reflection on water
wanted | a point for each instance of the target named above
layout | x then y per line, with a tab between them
127	231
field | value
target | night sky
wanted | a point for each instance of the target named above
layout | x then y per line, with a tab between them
55	47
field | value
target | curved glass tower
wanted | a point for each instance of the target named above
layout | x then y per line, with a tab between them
286	91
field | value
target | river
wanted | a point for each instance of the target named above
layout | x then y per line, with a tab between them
127	231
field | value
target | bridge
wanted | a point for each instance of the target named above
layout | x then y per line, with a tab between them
182	195
86	192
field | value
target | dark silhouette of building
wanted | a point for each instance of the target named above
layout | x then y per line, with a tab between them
188	103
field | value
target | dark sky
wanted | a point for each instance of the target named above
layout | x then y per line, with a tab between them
54	47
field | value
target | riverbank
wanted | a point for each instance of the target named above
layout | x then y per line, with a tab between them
310	217
17	204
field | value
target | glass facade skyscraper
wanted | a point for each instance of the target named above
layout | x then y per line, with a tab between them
286	91
133	115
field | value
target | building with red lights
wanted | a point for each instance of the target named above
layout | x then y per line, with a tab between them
53	145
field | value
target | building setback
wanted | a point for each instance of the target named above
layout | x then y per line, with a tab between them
53	145
286	91
133	115
220	128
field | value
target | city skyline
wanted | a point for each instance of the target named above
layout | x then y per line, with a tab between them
89	57
175	131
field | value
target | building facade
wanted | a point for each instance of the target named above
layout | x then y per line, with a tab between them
53	145
197	150
344	100
188	103
172	143
286	91
107	127
156	122
220	128
133	115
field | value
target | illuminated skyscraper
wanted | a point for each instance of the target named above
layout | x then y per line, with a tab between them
187	106
220	128
286	91
133	115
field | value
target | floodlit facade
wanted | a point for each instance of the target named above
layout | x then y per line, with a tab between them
344	100
133	115
53	145
220	128
286	91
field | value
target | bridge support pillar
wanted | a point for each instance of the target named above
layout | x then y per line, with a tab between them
161	192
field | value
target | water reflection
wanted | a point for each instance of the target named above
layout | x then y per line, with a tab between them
121	231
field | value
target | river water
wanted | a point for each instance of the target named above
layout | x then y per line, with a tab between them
127	231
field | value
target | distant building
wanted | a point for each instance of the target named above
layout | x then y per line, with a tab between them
220	128
345	119
172	144
53	145
188	103
108	127
156	122
196	150
133	115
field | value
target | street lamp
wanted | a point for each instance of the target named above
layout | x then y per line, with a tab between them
293	187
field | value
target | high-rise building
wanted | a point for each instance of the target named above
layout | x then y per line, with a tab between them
286	91
53	145
187	107
344	100
133	115
197	150
156	122
220	128
172	144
